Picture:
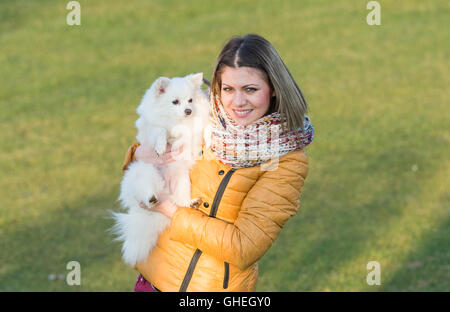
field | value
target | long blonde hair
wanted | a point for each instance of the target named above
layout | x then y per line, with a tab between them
255	51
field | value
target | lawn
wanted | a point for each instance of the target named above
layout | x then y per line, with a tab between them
378	184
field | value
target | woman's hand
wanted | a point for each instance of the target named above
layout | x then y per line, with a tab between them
148	154
166	207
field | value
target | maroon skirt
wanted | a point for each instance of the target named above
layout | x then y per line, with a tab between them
142	285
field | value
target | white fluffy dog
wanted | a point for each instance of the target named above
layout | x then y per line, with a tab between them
174	111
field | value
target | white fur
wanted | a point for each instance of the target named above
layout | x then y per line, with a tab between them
161	122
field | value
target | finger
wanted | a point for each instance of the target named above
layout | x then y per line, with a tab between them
166	159
175	153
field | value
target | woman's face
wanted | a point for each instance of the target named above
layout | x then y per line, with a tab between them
245	94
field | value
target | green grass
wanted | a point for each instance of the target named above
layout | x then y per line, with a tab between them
379	165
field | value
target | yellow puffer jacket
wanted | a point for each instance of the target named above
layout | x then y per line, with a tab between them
216	248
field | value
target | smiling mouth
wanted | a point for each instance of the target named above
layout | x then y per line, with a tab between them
242	112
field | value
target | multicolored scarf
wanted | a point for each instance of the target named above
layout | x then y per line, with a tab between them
254	144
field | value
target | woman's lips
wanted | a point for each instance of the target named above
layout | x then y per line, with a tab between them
242	113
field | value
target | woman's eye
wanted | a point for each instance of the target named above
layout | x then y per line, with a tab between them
251	89
226	89
175	102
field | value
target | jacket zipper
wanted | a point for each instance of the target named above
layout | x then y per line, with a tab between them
190	270
213	213
198	252
219	193
226	276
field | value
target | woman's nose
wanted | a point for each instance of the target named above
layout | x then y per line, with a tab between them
239	99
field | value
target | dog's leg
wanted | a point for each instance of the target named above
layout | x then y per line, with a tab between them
141	183
160	145
181	194
158	139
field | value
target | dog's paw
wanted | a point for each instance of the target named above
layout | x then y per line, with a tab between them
196	202
153	200
148	205
160	146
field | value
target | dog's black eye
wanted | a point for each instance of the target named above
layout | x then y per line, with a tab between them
175	102
190	101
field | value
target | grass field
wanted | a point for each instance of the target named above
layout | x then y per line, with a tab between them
378	185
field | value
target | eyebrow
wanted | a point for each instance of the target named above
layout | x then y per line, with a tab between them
245	86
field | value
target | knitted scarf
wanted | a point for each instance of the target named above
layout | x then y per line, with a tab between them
263	140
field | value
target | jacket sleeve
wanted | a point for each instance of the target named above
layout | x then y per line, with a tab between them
129	157
268	205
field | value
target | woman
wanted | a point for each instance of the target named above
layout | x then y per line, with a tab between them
250	180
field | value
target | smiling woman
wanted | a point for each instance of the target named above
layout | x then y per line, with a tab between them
246	93
245	205
253	65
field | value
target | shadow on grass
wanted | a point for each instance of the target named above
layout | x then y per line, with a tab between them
426	268
343	208
39	247
346	212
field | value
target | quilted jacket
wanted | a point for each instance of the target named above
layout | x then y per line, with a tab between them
216	247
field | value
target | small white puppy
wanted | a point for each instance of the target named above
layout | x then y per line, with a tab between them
174	111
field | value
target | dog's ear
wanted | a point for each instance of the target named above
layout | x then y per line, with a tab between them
196	79
161	85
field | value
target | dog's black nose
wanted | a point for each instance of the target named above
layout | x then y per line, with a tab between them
188	111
